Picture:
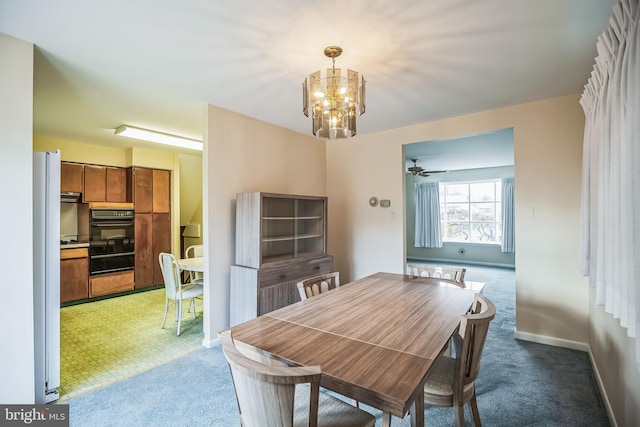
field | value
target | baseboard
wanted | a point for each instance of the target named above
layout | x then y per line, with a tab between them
556	342
210	343
603	392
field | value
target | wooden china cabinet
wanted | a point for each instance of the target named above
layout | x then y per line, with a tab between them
280	240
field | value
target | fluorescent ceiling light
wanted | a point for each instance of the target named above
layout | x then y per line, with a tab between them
159	137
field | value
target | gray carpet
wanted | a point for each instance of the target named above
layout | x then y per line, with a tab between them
520	383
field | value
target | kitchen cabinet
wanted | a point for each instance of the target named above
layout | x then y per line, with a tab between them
152	236
116	185
142	189
144	261
105	284
104	184
71	177
161	243
95	188
74	274
151	195
280	240
161	191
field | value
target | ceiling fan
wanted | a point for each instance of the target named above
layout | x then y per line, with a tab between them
416	170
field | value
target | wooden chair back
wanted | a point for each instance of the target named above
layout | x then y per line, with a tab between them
469	342
170	274
266	393
317	284
450	274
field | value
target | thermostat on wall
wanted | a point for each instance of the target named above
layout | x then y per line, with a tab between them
385	203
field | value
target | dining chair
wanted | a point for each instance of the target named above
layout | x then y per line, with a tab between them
285	396
175	290
451	381
318	284
195	251
449	274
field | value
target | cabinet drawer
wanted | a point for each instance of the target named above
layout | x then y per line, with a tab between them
273	275
105	284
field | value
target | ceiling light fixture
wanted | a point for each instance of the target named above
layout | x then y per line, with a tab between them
335	99
159	137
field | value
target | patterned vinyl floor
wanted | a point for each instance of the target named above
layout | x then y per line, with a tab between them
106	341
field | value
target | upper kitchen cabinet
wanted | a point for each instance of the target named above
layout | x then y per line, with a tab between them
142	186
151	190
104	184
95	184
116	185
71	177
161	193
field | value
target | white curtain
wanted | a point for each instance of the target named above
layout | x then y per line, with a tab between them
610	211
508	216
428	229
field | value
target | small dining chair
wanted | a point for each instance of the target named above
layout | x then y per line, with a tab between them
318	284
175	291
449	274
195	251
451	381
285	396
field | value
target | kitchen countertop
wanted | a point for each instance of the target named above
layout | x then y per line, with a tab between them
74	245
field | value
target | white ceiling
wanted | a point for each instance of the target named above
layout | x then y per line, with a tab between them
157	63
494	149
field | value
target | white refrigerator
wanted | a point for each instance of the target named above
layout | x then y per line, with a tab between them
46	274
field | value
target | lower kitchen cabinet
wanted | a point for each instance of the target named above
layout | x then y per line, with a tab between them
161	243
110	283
256	291
74	274
152	236
144	250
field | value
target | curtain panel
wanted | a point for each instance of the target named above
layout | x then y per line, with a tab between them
428	232
610	222
508	216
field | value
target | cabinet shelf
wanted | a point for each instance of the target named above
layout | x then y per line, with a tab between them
289	218
291	237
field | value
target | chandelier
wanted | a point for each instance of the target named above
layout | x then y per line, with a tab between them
335	99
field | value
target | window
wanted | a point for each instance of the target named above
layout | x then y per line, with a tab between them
471	211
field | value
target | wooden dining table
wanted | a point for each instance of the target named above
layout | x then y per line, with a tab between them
375	338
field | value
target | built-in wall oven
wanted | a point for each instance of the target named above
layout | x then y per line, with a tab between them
111	245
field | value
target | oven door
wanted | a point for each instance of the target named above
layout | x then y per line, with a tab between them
109	263
111	246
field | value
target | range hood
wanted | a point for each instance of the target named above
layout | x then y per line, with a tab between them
69	197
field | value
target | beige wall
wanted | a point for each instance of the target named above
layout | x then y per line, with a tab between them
16	175
551	295
242	155
613	356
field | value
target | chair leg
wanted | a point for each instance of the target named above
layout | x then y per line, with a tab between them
193	307
473	405
179	314
459	414
386	419
166	310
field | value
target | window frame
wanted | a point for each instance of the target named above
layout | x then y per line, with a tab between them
497	210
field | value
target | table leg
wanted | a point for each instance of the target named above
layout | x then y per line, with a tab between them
417	410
